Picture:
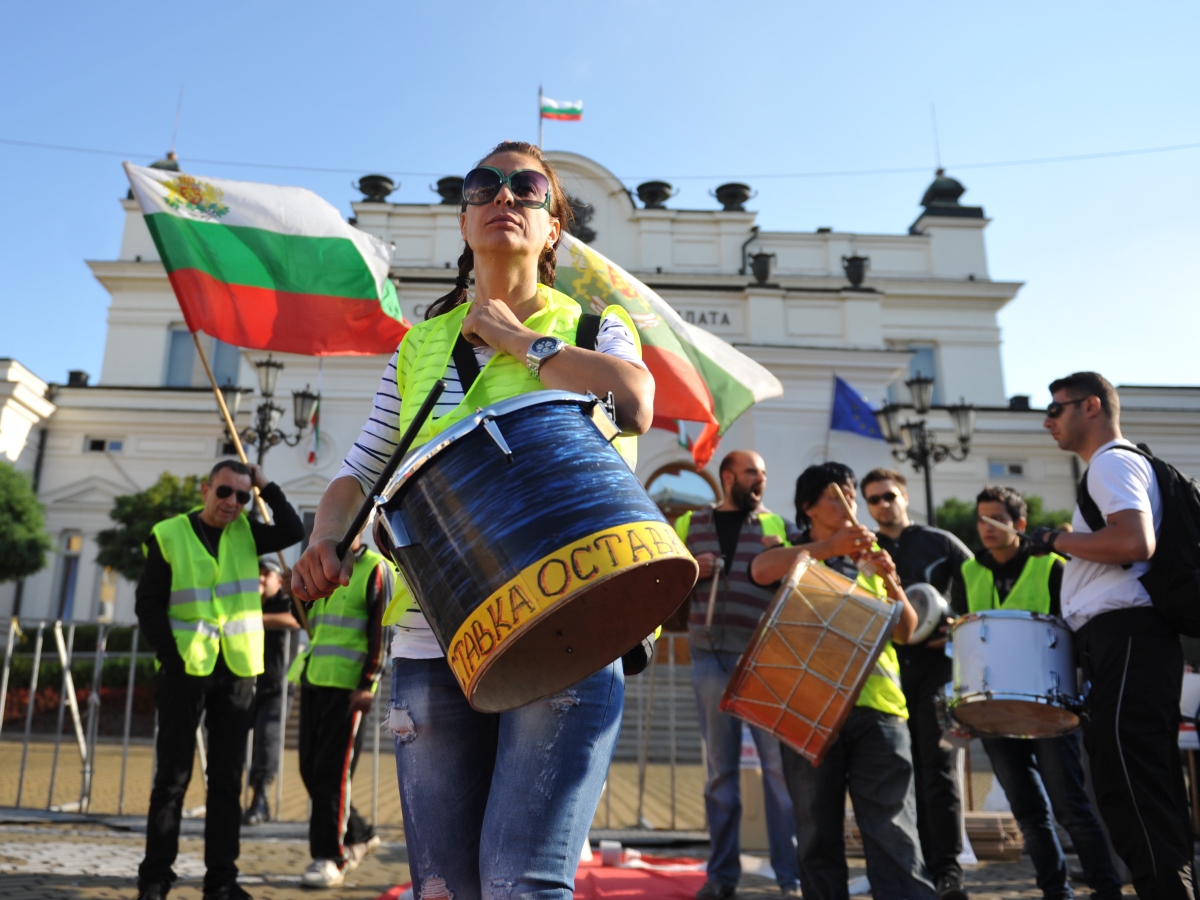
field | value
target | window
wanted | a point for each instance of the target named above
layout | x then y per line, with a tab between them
102	445
184	369
68	573
924	362
181	356
1000	469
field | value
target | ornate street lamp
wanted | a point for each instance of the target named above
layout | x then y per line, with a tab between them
265	432
915	443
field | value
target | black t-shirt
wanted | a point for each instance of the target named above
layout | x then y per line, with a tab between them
729	524
1005	576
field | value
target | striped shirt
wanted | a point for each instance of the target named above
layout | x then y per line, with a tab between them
380	434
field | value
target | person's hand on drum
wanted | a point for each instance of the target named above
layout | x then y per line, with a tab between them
708	565
493	322
319	572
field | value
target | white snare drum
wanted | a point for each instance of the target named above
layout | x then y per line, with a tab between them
1014	674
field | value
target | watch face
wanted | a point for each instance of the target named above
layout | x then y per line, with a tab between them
544	345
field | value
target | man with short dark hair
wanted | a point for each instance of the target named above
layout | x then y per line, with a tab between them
933	556
199	607
270	693
1040	773
724	539
1129	654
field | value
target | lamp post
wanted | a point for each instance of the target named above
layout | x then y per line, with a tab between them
916	443
265	432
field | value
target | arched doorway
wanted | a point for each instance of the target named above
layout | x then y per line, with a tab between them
680	486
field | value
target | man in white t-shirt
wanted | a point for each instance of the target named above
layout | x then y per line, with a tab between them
1128	653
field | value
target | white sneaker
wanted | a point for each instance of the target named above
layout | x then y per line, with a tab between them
322	873
356	853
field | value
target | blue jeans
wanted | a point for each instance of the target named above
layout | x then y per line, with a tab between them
499	804
872	757
722	791
1029	770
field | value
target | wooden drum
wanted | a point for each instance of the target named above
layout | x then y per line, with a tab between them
813	651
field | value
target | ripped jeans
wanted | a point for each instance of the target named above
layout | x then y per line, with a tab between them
498	805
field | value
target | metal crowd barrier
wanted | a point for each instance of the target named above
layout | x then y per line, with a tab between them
652	731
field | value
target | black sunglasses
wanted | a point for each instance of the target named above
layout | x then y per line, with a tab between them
223	491
890	497
1055	409
530	188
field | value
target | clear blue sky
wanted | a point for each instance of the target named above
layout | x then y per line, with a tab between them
1107	248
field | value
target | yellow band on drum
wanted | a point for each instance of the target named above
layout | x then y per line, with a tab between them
551	580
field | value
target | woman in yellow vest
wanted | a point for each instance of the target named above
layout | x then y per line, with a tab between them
872	755
1037	775
492	802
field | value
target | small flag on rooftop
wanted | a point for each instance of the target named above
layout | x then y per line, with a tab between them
562	110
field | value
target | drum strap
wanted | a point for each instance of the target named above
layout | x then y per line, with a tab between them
586	333
465	362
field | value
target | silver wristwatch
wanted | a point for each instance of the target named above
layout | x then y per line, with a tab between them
540	351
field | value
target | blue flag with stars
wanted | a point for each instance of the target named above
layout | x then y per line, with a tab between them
852	412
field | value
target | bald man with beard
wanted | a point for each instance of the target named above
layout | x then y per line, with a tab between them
724	539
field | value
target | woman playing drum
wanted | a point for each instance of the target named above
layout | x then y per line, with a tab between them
492	802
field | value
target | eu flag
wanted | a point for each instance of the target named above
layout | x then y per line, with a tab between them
852	412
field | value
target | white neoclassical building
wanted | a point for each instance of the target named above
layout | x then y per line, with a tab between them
927	304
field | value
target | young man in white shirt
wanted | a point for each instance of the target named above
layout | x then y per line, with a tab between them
1128	653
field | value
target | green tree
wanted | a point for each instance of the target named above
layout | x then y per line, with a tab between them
958	517
136	514
23	539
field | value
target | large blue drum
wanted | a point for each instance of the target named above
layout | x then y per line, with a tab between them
534	552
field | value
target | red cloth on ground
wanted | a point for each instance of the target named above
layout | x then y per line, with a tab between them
594	881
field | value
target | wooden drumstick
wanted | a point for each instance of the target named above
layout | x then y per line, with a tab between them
837	490
712	595
1004	527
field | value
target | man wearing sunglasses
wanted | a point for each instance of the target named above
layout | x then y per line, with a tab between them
933	556
198	605
1127	651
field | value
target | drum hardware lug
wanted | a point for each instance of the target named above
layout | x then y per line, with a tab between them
397	525
983	632
604	417
493	430
987	673
1054	683
1052	642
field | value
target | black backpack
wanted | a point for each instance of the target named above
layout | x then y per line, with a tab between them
1173	580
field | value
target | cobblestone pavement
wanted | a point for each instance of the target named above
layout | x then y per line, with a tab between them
79	861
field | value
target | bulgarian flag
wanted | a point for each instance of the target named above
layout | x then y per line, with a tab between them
697	376
563	110
270	268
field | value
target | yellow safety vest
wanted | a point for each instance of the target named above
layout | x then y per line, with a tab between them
338	650
770	523
215	605
1031	592
425	353
882	690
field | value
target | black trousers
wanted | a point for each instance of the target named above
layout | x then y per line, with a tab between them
226	700
330	744
1134	662
269	697
923	676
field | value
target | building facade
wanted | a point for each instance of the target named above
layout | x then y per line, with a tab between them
927	305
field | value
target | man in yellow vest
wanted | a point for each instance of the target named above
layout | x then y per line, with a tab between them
872	756
1035	774
724	538
338	675
199	607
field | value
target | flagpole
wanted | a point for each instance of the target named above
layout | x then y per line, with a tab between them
829	421
541	121
241	452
